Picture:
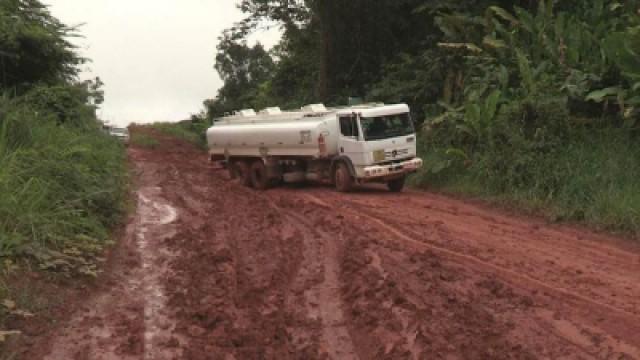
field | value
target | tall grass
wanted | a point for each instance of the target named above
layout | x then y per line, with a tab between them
143	140
592	178
190	131
60	186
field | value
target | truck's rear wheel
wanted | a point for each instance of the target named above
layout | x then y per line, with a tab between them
259	176
242	172
342	178
396	185
231	170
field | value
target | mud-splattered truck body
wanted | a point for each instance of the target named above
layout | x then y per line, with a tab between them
345	146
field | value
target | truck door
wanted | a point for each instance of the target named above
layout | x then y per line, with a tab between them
350	143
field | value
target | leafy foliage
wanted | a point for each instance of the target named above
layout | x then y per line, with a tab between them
244	70
193	130
144	140
63	186
331	50
63	180
533	82
33	46
71	104
536	57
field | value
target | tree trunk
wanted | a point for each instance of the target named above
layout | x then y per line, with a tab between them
324	74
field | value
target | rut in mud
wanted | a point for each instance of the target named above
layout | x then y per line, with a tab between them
209	269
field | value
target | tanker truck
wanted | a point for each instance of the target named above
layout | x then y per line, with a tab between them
347	146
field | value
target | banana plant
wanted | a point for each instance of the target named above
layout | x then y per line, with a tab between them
623	49
628	100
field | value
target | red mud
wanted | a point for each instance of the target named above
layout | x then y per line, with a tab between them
213	270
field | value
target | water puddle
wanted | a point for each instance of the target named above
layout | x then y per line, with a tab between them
155	224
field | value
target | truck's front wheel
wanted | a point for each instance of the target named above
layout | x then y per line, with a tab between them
396	185
259	176
342	178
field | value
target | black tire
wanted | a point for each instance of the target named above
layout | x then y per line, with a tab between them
396	185
259	176
231	171
242	172
342	178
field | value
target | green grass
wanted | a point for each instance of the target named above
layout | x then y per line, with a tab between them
63	191
190	131
593	179
143	140
63	187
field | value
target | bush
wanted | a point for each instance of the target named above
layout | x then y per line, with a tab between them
64	103
143	140
193	131
594	178
589	175
523	135
62	186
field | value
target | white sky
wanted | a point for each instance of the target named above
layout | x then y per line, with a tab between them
155	57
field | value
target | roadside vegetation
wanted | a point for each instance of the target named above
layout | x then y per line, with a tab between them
63	180
143	140
535	104
62	184
193	130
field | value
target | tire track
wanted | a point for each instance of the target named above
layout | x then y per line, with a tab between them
156	218
510	275
216	271
625	321
323	300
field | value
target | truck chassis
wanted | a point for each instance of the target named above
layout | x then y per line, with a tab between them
264	173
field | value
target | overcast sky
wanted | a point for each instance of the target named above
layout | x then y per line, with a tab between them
155	56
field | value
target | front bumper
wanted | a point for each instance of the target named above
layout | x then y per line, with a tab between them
391	170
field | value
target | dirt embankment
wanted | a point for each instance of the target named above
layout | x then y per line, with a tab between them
212	270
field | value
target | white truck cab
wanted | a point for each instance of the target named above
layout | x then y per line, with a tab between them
345	146
380	142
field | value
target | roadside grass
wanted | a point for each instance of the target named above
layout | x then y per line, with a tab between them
593	179
143	140
64	190
62	187
30	301
190	131
20	301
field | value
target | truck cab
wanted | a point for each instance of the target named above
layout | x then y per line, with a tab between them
380	143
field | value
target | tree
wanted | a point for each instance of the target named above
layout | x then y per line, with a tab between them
244	69
34	46
351	39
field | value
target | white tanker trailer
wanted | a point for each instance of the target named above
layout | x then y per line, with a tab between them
345	146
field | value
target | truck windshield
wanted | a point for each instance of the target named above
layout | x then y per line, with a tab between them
385	127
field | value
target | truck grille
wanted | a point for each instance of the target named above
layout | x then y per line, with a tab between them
390	155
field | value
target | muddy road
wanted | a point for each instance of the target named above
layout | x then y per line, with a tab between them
211	270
